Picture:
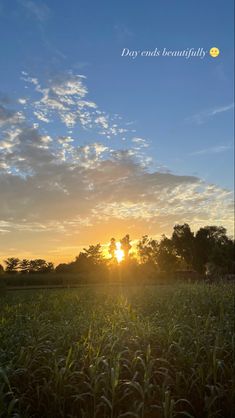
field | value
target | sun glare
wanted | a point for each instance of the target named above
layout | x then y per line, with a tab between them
119	254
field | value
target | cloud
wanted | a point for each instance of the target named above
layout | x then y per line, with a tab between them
40	11
201	117
140	142
213	150
65	97
58	187
9	116
94	183
122	32
221	109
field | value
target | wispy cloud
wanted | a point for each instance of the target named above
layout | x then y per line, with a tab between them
221	109
213	150
201	117
40	11
122	32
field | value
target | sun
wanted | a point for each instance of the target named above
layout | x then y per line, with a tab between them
119	254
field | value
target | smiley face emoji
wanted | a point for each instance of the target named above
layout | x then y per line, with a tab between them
214	52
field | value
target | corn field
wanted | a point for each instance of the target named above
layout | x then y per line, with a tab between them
97	352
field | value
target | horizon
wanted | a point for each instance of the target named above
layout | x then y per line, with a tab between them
98	143
133	252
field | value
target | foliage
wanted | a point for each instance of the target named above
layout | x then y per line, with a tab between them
167	257
209	251
213	245
93	254
150	352
126	246
209	246
183	241
148	250
12	264
112	248
161	254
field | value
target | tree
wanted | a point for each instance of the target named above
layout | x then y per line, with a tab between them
183	241
63	268
166	257
125	246
211	245
112	248
40	266
12	264
93	254
90	263
147	250
88	258
1	269
24	266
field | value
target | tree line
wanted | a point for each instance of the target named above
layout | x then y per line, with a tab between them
209	250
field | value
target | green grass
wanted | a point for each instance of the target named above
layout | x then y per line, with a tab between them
154	351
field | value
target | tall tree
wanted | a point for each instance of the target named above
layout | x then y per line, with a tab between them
210	242
126	246
112	248
183	241
167	258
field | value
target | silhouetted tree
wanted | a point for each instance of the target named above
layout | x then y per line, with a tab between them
40	266
112	248
12	264
88	258
166	258
125	246
63	268
93	254
91	263
210	244
24	266
148	250
184	243
1	269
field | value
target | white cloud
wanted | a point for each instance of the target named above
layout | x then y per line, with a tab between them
65	97
201	117
221	109
213	150
54	183
22	101
40	116
140	142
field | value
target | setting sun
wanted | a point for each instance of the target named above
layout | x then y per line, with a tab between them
119	254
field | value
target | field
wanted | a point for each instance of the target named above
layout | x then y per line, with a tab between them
149	352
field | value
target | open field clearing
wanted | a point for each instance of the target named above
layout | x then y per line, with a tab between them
154	351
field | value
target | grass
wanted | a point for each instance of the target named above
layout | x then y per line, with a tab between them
96	352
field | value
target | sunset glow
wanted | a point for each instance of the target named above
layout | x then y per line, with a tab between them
119	254
84	158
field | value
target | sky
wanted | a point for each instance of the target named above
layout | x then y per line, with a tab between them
97	140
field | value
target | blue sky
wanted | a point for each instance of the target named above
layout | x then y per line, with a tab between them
158	94
181	109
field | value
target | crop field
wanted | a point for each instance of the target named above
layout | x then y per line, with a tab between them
105	352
